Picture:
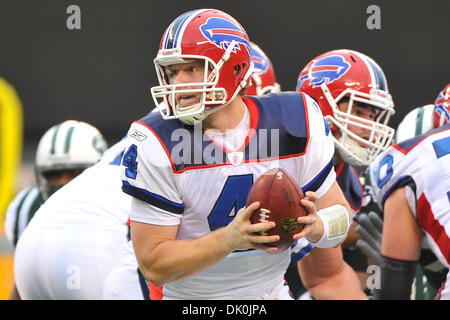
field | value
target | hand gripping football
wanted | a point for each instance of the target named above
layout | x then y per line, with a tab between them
279	195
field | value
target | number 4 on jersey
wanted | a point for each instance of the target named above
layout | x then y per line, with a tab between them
233	196
129	161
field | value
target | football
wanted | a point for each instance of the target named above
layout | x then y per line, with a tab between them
279	195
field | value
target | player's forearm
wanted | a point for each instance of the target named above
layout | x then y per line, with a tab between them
352	236
173	260
163	259
342	286
327	276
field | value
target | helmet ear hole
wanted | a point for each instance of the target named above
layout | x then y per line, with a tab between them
237	70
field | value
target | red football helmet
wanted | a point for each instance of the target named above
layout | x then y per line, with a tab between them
442	108
263	79
218	40
348	74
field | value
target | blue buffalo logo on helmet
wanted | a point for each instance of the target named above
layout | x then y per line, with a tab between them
221	32
327	70
441	107
442	112
441	102
261	64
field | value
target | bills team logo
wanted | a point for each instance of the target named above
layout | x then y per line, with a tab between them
221	32
325	70
442	112
261	64
442	107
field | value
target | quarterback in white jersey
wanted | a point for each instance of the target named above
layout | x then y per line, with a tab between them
190	169
200	201
412	185
77	236
118	284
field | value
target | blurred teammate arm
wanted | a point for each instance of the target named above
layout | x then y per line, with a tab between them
324	272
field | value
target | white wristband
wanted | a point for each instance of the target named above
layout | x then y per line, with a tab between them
336	222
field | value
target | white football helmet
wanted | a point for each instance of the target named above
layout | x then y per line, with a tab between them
415	123
68	146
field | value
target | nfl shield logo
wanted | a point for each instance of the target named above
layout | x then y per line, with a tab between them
236	158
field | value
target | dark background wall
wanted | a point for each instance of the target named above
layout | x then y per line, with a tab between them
102	73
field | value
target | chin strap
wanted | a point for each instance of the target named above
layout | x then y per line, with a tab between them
199	117
356	154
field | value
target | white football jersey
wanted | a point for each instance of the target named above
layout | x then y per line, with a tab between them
77	236
421	164
178	176
124	282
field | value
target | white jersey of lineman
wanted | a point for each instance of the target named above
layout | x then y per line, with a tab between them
422	165
124	282
77	236
178	176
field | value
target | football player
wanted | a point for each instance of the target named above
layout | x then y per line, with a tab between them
412	186
63	152
117	284
190	169
430	272
352	92
78	235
